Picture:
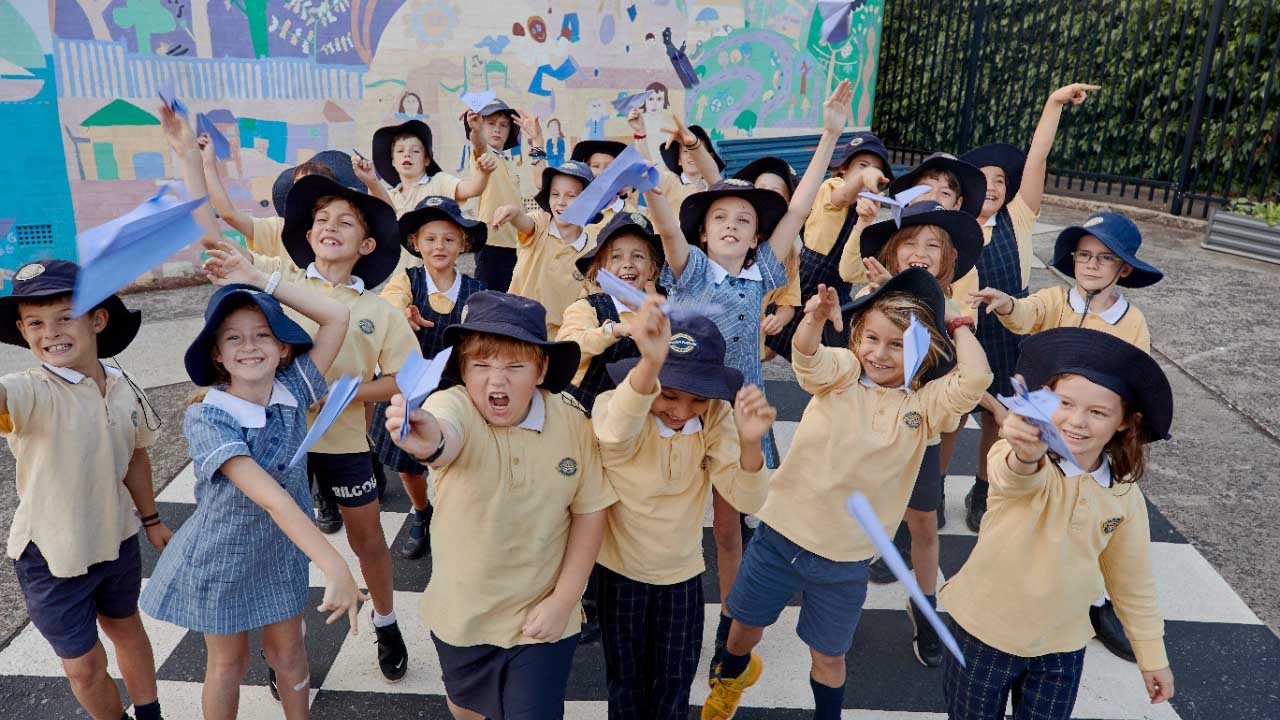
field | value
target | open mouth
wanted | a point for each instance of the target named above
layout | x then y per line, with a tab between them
628	277
878	367
250	362
58	349
330	241
918	264
991	198
406	164
1077	437
499	402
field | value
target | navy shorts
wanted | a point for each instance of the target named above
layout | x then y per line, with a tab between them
66	610
347	477
926	496
774	569
525	682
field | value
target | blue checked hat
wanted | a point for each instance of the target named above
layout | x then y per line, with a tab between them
493	108
299	211
569	168
774	166
384	139
630	223
863	142
47	279
437	207
695	362
584	149
671	151
1106	360
518	318
965	234
918	283
1008	158
228	299
973	184
336	160
1120	235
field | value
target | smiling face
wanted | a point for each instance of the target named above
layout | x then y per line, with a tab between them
769	181
677	407
730	230
944	189
996	190
878	347
922	246
501	375
496	129
246	349
338	233
598	162
1102	269
439	242
58	339
410	158
564	190
1087	418
630	258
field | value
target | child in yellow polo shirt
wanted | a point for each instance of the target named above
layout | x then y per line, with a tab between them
496	134
806	542
678	423
1021	622
547	248
508	451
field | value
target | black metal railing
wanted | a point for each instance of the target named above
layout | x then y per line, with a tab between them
1189	115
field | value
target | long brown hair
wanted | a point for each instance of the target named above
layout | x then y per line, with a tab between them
1126	450
898	308
889	253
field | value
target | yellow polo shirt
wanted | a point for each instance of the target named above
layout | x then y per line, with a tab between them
581	325
268	237
675	188
881	438
503	189
655	529
607	214
72	447
406	197
378	341
503	508
822	227
851	268
1024	226
1060	306
1049	546
545	269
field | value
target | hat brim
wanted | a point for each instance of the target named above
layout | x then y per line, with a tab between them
373	268
1106	360
769	207
966	236
629	228
879	151
476	232
772	165
562	356
336	160
699	379
513	137
122	323
199	356
973	184
918	283
1008	158
1142	275
549	173
583	151
384	139
671	150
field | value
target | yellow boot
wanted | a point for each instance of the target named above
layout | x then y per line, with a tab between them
726	693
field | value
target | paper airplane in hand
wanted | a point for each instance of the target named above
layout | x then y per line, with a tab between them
417	378
340	395
633	297
897	202
477	101
624	105
221	147
170	97
628	170
1038	408
915	348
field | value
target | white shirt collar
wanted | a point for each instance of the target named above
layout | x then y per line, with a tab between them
452	292
718	274
356	283
424	179
685	179
991	222
537	416
617	305
617	205
694	425
75	378
249	415
869	383
554	231
1102	475
1111	315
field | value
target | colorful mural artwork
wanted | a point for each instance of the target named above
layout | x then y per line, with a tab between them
283	79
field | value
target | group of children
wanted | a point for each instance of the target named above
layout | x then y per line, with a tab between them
575	441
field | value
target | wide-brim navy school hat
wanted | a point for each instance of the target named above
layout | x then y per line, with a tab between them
671	151
569	168
631	223
438	207
199	358
48	279
769	206
918	283
966	235
518	318
863	142
299	211
1008	158
694	364
1106	360
384	139
337	161
584	149
493	108
774	166
1120	235
973	184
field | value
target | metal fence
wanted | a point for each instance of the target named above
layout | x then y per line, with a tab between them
1189	115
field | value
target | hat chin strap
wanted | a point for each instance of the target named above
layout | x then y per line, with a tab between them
1091	294
148	410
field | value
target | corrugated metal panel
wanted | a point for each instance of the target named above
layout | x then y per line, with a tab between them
1239	235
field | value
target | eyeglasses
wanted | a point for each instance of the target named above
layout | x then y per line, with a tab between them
1084	257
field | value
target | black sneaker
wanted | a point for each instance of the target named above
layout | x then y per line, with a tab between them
418	543
328	518
393	656
880	574
975	504
271	677
924	641
1110	632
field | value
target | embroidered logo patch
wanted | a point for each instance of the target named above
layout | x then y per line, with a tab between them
134	417
463	317
577	275
1093	221
912	420
366	326
568	467
1110	526
571	165
948	156
683	343
640	220
572	402
735	182
28	271
855	142
435	201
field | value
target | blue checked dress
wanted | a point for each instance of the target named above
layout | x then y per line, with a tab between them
999	267
230	568
741	302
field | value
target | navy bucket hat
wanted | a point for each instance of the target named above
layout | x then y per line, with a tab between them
494	108
631	223
584	149
518	318
694	364
1008	158
338	162
48	279
863	142
966	235
918	283
1120	235
380	217
769	206
384	139
199	358
774	166
437	207
1106	360
671	150
973	184
570	168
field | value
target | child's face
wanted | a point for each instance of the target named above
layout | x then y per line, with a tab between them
879	350
246	348
58	339
730	229
631	259
337	234
677	407
1102	270
769	181
939	191
922	249
996	190
410	158
1088	417
598	162
564	190
502	386
439	242
854	166
496	129
687	165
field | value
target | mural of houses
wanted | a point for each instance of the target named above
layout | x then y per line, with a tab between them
124	144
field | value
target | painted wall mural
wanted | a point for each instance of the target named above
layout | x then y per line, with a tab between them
283	79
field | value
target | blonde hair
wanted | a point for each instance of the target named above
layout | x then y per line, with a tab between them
487	345
898	308
888	256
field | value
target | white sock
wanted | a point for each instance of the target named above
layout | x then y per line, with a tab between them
383	620
1102	600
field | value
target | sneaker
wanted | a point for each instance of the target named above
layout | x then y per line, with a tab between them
419	542
328	519
924	639
1106	624
393	656
271	677
880	574
975	504
716	656
726	693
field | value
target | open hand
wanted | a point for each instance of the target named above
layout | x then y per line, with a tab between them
838	107
679	133
342	597
997	301
877	274
1073	94
825	305
227	266
752	414
416	321
531	126
503	215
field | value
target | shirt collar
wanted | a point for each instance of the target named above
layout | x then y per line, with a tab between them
356	283
617	205
693	426
718	274
424	179
537	416
617	305
248	414
75	378
869	383
685	179
452	292
991	222
1102	475
554	231
1111	315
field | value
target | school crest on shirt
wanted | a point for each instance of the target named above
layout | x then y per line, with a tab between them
1110	526
577	275
133	417
568	467
572	402
913	420
366	326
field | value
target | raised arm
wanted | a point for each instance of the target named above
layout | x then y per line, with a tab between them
823	306
218	196
479	180
1032	189
183	142
674	244
363	168
426	434
846	194
702	159
835	113
514	215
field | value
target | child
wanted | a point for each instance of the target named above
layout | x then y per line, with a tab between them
507	452
547	248
670	431
78	429
240	561
599	324
432	297
496	135
780	305
806	541
1021	622
598	155
691	162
